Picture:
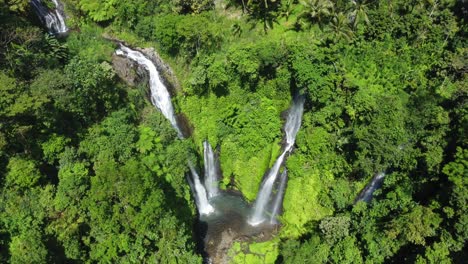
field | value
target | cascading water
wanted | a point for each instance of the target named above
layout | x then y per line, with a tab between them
211	179
51	18
201	199
293	123
366	194
265	192
161	98
279	197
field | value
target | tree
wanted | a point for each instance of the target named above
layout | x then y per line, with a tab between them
458	201
315	11
113	139
93	91
22	173
19	6
358	13
335	228
339	28
28	248
415	225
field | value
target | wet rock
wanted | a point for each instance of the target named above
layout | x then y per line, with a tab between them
185	126
133	74
129	71
166	73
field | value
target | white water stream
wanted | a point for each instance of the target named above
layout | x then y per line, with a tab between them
51	18
211	179
293	123
161	98
366	194
279	197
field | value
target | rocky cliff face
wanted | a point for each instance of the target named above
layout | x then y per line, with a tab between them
133	74
167	74
129	71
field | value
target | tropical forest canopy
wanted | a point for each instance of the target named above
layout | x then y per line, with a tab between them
91	172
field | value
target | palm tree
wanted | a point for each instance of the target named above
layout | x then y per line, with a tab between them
315	11
286	8
339	27
264	10
358	13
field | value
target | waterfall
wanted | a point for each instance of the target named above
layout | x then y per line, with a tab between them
366	194
52	19
211	179
201	199
265	192
160	96
279	197
293	123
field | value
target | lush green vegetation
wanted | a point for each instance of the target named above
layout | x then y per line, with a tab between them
91	172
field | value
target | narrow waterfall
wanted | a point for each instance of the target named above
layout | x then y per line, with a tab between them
265	192
211	179
366	194
161	98
201	199
293	123
279	197
51	18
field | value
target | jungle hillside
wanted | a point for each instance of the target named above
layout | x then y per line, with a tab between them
92	172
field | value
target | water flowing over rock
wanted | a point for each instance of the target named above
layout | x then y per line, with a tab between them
279	197
129	70
52	19
366	194
201	199
264	194
293	123
160	96
211	179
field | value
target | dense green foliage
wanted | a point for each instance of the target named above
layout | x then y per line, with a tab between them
91	172
89	169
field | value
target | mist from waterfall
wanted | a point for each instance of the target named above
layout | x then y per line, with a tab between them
52	19
161	98
293	123
211	179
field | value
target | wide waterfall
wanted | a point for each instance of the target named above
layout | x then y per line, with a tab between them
51	18
161	98
293	123
366	194
279	197
211	179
